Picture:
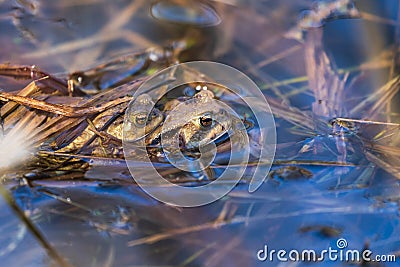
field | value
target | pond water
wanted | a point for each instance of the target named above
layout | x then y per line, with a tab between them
330	75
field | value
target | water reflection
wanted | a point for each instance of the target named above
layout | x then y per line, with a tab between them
196	13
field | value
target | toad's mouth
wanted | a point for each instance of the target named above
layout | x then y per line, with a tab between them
194	152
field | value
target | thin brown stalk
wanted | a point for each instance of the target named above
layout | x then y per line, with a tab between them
61	261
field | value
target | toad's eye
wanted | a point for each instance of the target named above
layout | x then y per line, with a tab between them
206	121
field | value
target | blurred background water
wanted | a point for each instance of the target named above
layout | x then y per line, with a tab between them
97	223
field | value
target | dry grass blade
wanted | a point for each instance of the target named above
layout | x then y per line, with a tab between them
377	101
384	164
291	114
61	109
57	118
175	232
43	79
243	220
34	230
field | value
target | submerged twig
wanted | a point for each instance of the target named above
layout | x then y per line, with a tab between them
61	261
378	99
